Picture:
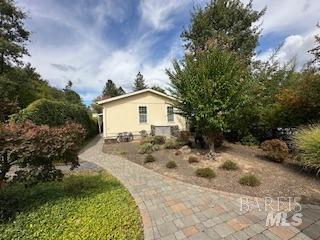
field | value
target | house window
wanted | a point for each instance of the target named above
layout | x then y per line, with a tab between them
142	114
170	114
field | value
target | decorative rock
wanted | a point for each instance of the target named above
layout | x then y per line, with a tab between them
185	149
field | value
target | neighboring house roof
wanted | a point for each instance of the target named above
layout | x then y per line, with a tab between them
133	94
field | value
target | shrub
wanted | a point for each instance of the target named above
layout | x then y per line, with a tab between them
205	173
307	142
178	152
172	144
193	159
56	113
249	140
37	147
277	150
149	158
171	164
154	140
229	165
249	180
148	148
183	137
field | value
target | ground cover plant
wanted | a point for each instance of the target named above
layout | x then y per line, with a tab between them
149	158
171	164
229	165
205	173
249	180
193	159
91	206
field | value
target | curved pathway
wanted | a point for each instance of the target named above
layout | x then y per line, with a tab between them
171	209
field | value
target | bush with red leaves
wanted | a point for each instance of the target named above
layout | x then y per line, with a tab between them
276	149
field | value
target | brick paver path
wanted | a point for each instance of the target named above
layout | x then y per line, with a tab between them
171	209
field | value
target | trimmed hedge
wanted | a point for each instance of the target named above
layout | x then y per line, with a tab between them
56	113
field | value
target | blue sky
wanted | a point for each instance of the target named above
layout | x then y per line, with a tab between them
91	41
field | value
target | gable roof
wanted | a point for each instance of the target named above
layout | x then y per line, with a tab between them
133	94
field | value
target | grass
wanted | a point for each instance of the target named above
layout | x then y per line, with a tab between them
149	158
171	164
205	173
91	206
229	165
249	180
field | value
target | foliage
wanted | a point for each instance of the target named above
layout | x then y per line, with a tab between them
184	137
307	142
249	140
209	90
149	158
56	113
205	173
172	144
157	139
171	164
97	205
139	83
193	159
148	148
111	90
316	50
14	36
34	149
276	149
229	24
230	165
158	88
249	180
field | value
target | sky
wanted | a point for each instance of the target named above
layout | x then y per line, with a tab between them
91	41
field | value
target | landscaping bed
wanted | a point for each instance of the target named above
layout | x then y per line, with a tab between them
86	205
272	179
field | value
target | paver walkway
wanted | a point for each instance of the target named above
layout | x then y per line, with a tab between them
171	209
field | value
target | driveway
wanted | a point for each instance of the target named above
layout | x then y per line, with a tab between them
171	209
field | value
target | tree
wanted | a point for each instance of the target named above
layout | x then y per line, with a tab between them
316	50
209	90
158	88
139	83
13	35
121	91
110	90
224	23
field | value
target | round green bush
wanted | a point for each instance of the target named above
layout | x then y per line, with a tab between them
205	173
148	148
193	159
249	180
56	113
149	158
171	164
229	166
249	140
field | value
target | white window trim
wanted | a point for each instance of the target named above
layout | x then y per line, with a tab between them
142	123
167	115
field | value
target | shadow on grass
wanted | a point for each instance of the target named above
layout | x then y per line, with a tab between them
15	198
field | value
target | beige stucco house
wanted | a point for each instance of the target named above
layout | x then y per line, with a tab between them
137	111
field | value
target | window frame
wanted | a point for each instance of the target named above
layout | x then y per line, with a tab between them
170	114
143	114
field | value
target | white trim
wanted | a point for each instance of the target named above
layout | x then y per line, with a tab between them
133	94
143	123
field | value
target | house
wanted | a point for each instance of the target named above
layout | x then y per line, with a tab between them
141	110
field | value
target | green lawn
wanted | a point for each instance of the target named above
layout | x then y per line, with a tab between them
91	206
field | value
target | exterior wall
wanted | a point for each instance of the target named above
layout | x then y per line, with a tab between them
123	115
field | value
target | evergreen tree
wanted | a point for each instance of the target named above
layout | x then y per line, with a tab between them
316	50
13	36
139	83
110	90
121	91
158	88
224	23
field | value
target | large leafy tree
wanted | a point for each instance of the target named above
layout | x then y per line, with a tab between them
13	35
111	90
139	83
210	88
224	23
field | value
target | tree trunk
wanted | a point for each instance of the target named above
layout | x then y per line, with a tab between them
210	142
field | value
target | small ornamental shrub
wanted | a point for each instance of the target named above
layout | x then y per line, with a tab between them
178	152
172	144
307	143
149	158
249	180
277	150
205	173
249	140
154	140
35	148
229	166
183	137
193	159
171	164
148	148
